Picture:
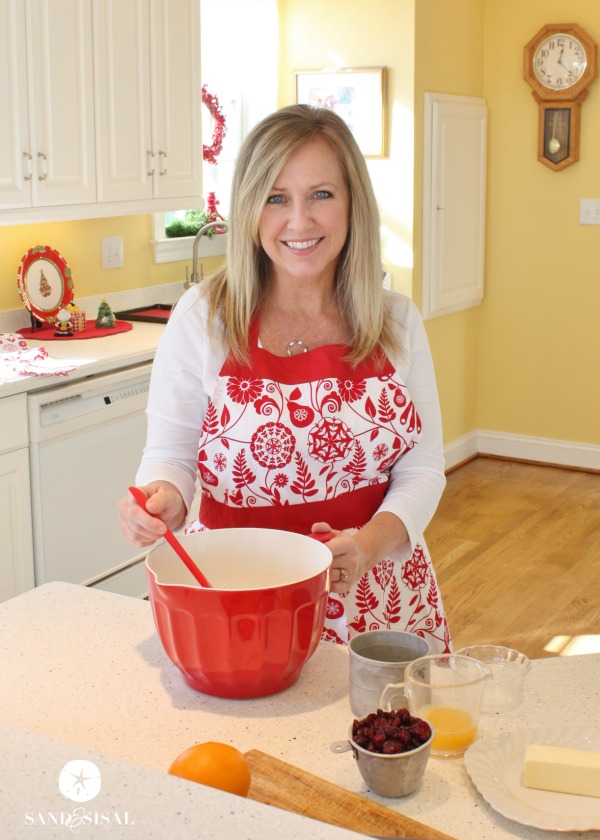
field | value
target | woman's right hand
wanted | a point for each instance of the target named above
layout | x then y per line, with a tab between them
139	526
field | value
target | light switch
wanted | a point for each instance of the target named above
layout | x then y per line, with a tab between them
589	211
112	252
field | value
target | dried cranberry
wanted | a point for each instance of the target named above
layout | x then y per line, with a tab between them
390	733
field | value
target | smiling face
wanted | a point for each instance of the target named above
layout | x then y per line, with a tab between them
304	224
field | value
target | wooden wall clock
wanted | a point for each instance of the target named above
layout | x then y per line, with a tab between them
559	64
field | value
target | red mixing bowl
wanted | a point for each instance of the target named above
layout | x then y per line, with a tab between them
252	633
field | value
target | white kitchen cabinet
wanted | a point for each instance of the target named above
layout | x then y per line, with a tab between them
16	552
100	108
148	99
47	154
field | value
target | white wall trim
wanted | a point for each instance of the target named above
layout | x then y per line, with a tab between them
562	453
181	247
461	450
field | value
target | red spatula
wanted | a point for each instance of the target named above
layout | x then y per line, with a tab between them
172	540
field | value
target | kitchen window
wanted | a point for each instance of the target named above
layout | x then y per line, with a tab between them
241	72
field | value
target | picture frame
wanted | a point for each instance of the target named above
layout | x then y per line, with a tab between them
357	94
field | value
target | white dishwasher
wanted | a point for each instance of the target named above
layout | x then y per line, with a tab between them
86	441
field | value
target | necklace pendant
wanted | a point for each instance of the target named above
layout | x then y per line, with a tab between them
296	343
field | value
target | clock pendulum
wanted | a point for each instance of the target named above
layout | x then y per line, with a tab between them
554	142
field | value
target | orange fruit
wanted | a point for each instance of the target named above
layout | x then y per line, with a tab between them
216	765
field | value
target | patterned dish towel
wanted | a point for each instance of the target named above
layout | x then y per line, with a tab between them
17	358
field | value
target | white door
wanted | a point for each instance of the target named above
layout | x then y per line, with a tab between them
16	554
148	99
16	166
178	98
123	109
61	93
454	181
16	544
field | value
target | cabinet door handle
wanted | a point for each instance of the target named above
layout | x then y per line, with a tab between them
44	165
164	165
151	163
28	160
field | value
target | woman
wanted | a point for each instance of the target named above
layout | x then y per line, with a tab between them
300	392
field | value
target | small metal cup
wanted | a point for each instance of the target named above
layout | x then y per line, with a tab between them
388	775
377	658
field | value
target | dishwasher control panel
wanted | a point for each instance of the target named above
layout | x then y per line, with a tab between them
56	411
124	394
88	401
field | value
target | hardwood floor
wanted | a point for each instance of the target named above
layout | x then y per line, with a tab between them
516	548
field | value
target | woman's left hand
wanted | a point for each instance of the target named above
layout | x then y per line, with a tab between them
356	553
349	562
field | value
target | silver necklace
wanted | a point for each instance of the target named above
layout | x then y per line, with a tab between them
298	343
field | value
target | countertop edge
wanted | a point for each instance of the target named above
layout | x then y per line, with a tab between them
92	357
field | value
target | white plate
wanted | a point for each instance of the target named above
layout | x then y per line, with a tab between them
495	766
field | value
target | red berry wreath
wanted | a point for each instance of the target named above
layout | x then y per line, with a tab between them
212	152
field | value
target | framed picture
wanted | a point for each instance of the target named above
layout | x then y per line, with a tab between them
358	95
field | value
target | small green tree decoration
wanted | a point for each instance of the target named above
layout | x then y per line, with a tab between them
105	318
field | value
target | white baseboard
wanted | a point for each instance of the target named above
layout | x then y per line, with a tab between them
461	450
563	453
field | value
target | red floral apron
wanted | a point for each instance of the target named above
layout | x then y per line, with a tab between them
288	442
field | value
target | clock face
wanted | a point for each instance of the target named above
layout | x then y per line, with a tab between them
559	61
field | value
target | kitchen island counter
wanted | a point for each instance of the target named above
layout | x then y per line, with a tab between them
83	670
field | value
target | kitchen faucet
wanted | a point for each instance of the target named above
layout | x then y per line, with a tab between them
195	278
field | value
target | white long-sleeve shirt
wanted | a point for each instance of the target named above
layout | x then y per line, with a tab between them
186	369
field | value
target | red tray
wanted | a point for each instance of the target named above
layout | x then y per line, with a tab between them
158	313
46	333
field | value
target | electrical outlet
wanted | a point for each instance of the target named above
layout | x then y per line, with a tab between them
589	211
112	252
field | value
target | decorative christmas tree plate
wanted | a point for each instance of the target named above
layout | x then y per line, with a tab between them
45	283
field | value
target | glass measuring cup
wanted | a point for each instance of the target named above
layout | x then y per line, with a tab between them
446	689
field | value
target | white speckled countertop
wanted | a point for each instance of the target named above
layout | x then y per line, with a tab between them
93	356
84	676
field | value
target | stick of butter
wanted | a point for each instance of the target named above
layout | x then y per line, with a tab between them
562	769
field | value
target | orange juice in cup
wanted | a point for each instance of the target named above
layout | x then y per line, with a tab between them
454	728
447	690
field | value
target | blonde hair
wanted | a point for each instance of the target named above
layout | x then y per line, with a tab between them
235	292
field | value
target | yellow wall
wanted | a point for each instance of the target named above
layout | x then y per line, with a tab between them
80	245
539	337
448	59
526	361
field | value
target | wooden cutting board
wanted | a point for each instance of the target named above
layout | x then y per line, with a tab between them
276	783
